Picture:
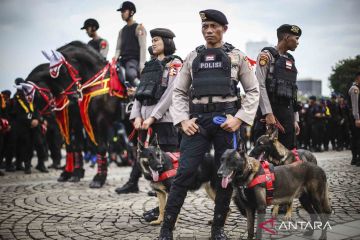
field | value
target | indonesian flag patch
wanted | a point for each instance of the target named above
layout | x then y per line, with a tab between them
209	58
288	64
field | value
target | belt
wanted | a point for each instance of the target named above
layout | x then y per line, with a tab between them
149	102
213	107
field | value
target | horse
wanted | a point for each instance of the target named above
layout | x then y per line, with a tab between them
99	93
47	97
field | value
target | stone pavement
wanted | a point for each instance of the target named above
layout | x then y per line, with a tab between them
36	206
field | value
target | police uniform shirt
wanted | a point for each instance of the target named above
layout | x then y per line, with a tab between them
264	64
160	111
241	70
354	97
103	46
141	35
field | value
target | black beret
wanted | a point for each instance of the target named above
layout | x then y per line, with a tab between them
292	29
213	15
90	23
127	5
312	98
6	92
162	32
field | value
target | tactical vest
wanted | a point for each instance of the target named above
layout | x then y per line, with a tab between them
212	72
129	48
281	81
152	82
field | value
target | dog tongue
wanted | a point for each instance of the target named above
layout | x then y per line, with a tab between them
225	182
155	175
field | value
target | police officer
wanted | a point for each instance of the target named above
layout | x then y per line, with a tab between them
355	121
277	74
209	75
153	98
25	118
131	44
99	44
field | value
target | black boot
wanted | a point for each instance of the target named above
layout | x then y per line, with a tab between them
151	215
166	231
42	168
218	233
217	228
353	161
129	187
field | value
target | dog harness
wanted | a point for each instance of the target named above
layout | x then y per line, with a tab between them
266	177
174	156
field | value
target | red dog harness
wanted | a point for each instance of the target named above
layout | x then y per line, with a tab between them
172	172
295	152
266	176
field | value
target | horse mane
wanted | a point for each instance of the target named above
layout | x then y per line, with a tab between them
38	73
87	51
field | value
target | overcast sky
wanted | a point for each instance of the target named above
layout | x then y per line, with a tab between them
331	29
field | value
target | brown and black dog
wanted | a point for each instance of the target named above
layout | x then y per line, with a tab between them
268	147
303	180
154	162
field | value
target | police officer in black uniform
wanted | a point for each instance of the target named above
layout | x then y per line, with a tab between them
277	75
99	44
209	75
153	99
131	44
355	120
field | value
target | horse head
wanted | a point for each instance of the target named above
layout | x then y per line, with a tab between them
56	60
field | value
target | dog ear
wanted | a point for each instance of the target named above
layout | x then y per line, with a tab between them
242	148
274	133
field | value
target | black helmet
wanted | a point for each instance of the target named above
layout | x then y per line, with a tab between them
127	5
18	81
91	23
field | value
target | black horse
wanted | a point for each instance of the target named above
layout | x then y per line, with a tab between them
84	67
47	94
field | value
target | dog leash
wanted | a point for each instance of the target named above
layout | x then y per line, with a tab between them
277	125
218	120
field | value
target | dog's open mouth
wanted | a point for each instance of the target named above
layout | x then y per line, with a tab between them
155	175
261	157
226	180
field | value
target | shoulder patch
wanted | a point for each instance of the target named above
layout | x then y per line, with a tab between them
140	29
103	44
356	91
263	60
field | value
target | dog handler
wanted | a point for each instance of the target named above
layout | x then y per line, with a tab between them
209	75
277	74
153	98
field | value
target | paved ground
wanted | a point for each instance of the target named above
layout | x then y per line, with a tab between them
36	206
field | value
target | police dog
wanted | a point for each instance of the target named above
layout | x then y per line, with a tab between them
154	162
267	147
303	180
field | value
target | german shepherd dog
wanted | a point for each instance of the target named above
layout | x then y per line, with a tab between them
267	147
303	180
154	162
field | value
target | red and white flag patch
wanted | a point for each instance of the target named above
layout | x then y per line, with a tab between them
288	64
209	58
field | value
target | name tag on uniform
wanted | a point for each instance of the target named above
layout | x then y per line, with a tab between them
210	65
288	64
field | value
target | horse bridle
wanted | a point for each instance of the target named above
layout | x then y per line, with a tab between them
46	95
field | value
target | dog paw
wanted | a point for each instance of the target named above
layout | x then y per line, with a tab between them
287	218
156	222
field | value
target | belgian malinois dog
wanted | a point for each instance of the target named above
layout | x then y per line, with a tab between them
303	180
154	162
268	147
